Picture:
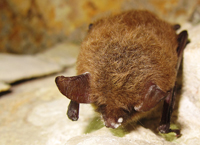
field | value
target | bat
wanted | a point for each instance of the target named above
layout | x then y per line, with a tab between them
127	64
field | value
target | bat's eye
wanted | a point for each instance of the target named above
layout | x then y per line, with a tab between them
126	111
101	108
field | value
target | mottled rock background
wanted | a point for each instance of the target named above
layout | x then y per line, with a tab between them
40	39
30	26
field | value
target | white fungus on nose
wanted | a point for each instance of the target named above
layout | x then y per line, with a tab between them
115	125
120	120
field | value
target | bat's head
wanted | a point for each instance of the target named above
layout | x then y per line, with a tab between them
112	116
116	108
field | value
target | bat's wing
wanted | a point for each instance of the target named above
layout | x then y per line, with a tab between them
75	88
170	99
151	95
73	111
182	41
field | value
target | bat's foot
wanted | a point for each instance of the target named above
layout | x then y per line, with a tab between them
177	131
73	111
164	128
72	115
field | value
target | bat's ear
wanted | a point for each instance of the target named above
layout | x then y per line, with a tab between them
75	88
151	95
182	41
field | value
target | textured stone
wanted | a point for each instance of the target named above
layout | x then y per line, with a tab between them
64	54
19	67
104	140
191	74
30	26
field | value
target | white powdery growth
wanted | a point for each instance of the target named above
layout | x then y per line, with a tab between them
120	120
115	125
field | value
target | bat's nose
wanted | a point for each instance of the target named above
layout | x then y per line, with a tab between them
111	123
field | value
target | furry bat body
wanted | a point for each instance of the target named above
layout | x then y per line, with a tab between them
127	64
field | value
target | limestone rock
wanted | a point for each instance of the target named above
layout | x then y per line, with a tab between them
191	67
64	54
29	27
19	67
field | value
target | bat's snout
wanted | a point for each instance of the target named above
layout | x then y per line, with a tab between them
111	123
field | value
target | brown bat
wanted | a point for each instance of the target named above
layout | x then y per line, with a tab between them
127	64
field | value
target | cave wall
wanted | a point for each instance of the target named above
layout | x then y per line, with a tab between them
31	26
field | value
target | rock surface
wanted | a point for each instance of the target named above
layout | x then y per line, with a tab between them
20	67
191	74
30	26
64	54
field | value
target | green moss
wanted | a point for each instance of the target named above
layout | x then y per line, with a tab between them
169	136
172	135
120	132
94	124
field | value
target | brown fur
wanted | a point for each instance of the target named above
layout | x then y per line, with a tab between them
122	53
